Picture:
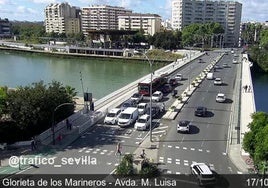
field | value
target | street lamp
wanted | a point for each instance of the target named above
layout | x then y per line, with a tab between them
53	121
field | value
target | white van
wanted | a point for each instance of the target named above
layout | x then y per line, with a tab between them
210	76
128	116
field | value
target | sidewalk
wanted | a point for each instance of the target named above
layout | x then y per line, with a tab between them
247	107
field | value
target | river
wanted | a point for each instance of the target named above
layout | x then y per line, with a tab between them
99	76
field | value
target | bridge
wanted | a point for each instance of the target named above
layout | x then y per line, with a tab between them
214	139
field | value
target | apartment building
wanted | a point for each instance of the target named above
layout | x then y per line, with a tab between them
62	18
101	17
5	28
227	13
149	23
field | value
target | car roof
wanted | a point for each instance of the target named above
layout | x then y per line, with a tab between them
142	104
114	110
221	94
204	169
157	92
144	116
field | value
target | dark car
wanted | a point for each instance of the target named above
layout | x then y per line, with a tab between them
173	81
128	103
167	88
156	110
137	97
200	111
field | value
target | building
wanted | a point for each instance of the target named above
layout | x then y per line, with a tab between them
149	23
227	13
62	18
5	28
101	17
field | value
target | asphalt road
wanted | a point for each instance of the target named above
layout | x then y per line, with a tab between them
100	142
208	136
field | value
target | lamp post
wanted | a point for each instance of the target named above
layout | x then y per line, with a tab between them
53	121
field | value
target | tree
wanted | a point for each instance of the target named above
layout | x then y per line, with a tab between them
31	107
167	40
255	141
3	98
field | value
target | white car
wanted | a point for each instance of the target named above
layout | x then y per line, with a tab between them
142	123
225	65
203	174
137	97
157	96
220	97
184	126
112	116
178	77
217	81
235	61
142	107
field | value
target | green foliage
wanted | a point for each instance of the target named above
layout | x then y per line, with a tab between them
248	34
125	168
167	40
149	169
31	107
157	54
256	141
3	98
201	33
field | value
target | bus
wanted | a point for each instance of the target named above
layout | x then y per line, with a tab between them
157	83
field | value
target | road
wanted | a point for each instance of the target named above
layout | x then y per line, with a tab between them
100	142
208	136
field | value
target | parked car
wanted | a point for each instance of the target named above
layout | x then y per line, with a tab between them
128	117
200	111
179	77
203	174
217	81
184	126
112	116
142	108
137	97
210	76
220	97
200	60
143	122
127	104
225	65
157	96
235	61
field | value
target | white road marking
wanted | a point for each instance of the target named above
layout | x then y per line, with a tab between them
202	143
169	159
57	166
137	143
81	150
161	157
169	146
208	151
178	173
200	150
238	172
116	164
177	147
223	153
139	138
182	139
169	162
119	136
109	163
185	148
104	150
157	132
95	152
169	172
102	153
97	149
164	127
192	149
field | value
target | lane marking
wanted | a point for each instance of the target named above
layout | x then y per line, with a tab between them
169	172
178	173
200	150
185	148
157	132
57	166
177	147
169	146
192	149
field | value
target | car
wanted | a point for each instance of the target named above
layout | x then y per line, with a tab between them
225	53
137	97
156	109
200	60
216	67
167	88
112	116
217	81
173	81
157	96
179	77
235	61
200	111
142	108
128	103
232	51
220	97
225	65
143	122
203	174
184	126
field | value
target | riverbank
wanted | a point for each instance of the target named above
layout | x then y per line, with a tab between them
83	56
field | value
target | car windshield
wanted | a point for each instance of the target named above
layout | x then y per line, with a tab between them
183	123
111	115
136	95
141	106
124	116
156	94
126	105
218	79
141	120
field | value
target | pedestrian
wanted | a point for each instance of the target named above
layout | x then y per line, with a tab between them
246	88
118	149
59	138
249	88
67	123
33	146
142	155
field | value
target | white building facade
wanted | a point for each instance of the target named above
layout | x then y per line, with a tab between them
226	13
62	18
149	23
101	17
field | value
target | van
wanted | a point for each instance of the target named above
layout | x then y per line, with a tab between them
210	76
128	117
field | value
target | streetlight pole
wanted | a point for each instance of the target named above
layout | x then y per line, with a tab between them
151	93
53	119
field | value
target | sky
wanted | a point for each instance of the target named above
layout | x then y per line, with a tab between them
33	10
